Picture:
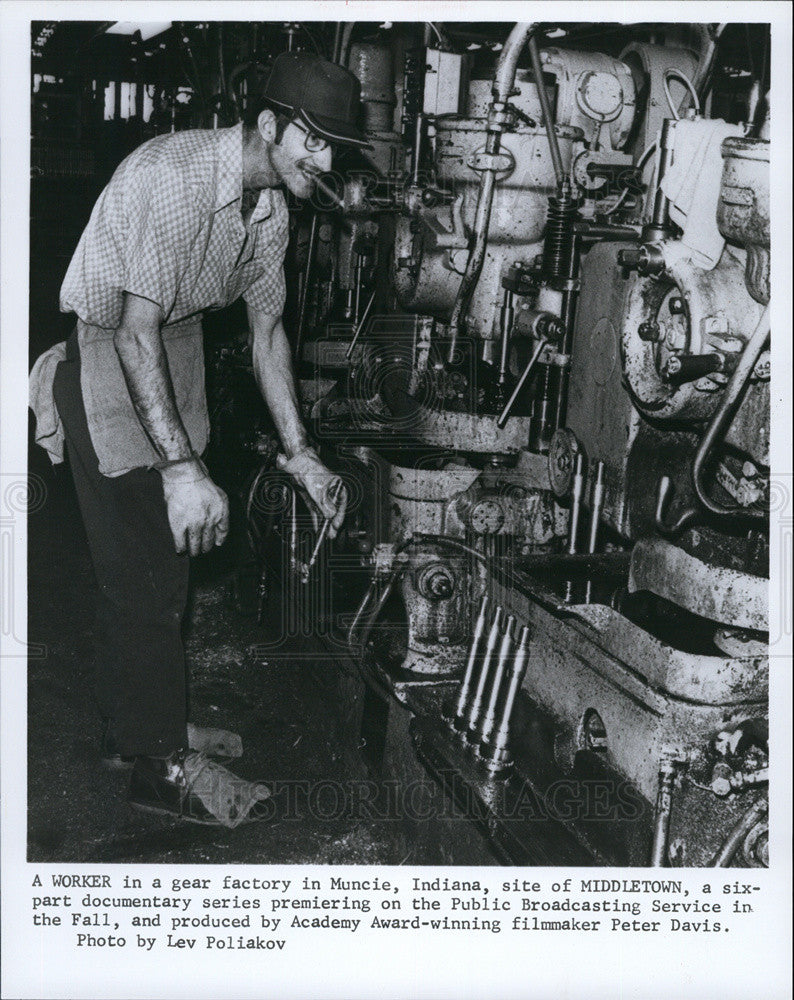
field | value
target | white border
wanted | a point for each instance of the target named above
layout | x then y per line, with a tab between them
755	963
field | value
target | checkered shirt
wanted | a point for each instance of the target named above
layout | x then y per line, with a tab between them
168	227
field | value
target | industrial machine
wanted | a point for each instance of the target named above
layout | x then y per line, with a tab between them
531	329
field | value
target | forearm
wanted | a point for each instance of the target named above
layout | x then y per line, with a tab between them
276	380
145	366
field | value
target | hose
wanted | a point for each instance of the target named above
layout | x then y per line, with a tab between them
504	80
724	856
677	74
728	403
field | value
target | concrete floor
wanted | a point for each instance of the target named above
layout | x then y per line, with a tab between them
286	703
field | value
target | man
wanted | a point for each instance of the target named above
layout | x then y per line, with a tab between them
188	222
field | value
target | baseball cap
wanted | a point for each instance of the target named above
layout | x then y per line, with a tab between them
323	95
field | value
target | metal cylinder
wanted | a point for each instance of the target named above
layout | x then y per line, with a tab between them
664	805
495	750
474	652
596	508
487	723
577	491
471	712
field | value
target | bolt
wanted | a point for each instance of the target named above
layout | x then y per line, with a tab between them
676	305
629	258
649	330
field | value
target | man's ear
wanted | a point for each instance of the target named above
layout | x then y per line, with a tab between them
266	125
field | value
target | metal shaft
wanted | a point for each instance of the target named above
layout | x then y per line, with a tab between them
597	507
488	723
664	804
471	663
518	669
576	503
471	711
502	418
360	327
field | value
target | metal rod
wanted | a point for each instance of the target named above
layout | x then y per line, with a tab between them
361	324
305	289
474	651
577	493
335	489
502	418
596	508
472	710
664	805
488	723
497	748
506	316
660	210
545	107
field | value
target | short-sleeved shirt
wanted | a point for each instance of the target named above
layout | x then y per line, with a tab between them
168	227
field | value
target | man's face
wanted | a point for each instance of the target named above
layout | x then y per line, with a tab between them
299	155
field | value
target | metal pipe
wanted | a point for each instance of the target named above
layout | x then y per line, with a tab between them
725	410
596	508
488	724
506	316
664	806
305	289
359	328
724	856
471	711
577	493
502	418
496	751
504	80
471	662
545	107
660	211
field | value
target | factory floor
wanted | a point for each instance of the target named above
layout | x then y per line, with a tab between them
284	699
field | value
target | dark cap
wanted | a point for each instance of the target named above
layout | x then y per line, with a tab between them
322	94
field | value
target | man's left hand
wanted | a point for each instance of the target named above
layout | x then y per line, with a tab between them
325	488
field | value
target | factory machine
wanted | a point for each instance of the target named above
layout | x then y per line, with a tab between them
532	334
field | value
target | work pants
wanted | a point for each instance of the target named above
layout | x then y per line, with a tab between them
142	587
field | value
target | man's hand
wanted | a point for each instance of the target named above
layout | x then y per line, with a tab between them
325	489
198	510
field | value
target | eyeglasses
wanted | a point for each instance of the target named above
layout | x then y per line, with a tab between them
314	143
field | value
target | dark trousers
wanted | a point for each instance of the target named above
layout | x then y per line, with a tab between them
142	587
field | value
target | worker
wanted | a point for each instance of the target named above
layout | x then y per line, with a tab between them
188	222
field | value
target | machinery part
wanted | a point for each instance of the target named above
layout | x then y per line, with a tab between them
664	808
471	711
502	418
487	723
360	326
659	226
726	409
545	107
307	273
496	751
743	210
502	89
576	502
475	650
741	830
563	451
596	507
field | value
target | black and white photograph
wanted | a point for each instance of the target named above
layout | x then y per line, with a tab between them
399	485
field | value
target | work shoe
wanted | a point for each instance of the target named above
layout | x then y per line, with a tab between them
214	742
195	788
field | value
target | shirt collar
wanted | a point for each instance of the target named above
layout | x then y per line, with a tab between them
229	188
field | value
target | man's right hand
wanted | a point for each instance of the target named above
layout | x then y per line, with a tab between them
198	510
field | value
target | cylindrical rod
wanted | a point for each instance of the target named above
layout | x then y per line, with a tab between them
518	669
305	289
576	503
664	803
596	508
471	711
471	663
488	723
502	419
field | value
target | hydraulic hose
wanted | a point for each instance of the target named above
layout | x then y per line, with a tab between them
504	81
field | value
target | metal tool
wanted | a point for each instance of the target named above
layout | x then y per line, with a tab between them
307	568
